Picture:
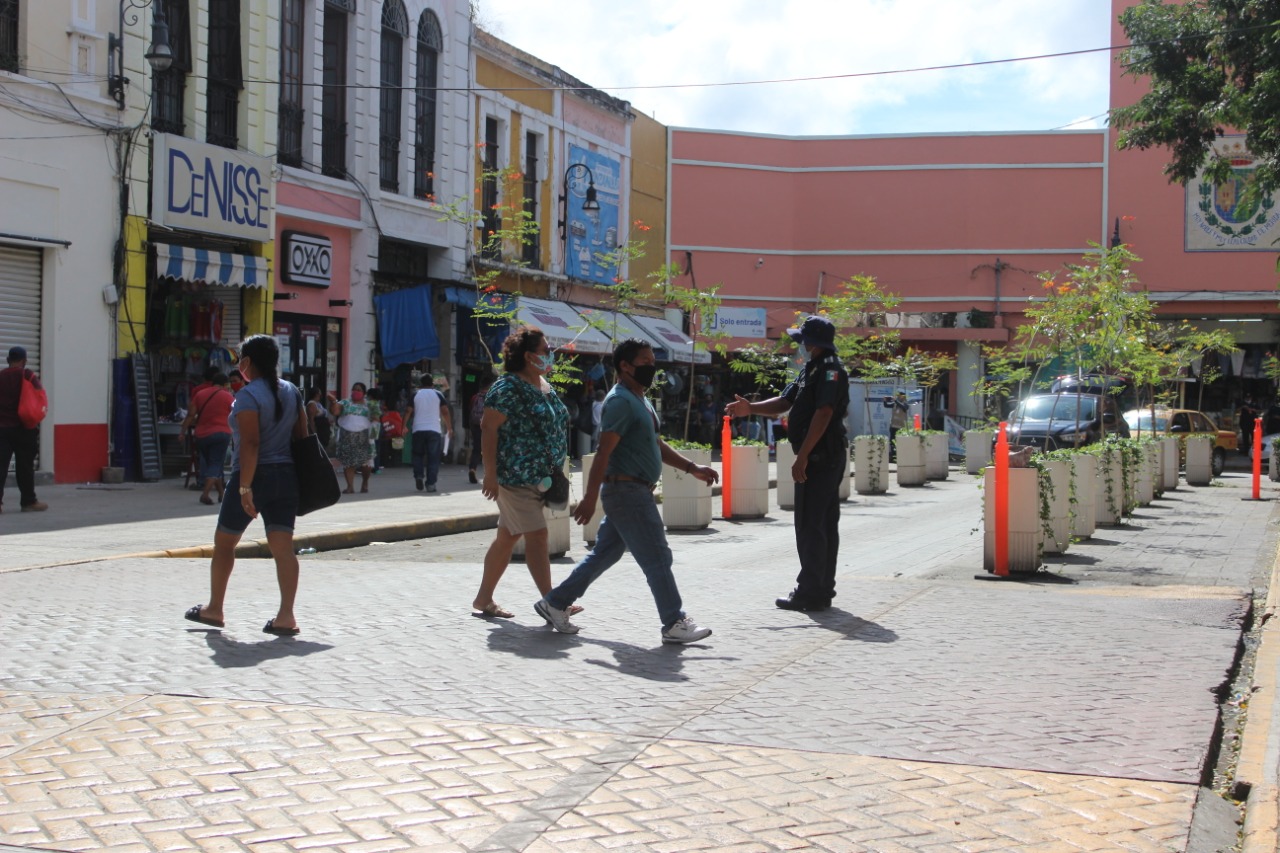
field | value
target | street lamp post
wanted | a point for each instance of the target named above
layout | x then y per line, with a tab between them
159	56
589	202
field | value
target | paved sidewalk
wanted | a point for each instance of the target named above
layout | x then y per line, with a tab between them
928	711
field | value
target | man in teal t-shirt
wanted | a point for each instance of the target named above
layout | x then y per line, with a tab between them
627	467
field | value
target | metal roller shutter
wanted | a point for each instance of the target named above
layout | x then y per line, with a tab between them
20	276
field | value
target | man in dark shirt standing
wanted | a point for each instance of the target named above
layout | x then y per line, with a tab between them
17	440
817	402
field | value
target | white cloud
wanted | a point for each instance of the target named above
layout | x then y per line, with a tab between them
648	42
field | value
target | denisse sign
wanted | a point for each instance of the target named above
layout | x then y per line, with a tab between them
207	188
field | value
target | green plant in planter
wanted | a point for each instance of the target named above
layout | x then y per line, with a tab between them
1068	456
879	447
1046	499
681	444
743	441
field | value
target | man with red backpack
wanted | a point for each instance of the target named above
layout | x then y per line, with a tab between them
17	439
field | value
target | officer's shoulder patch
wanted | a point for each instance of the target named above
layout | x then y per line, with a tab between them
833	376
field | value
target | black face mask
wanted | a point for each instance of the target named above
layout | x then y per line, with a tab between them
644	373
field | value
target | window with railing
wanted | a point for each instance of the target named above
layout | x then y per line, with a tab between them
531	251
430	44
333	98
395	29
491	219
9	35
289	140
222	104
169	87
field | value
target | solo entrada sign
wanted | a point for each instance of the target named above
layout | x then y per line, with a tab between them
200	187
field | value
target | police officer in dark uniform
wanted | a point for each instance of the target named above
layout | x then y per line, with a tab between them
817	401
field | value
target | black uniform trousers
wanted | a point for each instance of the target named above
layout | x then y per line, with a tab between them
817	517
23	443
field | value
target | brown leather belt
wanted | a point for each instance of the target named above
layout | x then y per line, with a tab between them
625	478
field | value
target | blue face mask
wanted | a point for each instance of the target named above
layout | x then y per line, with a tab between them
546	362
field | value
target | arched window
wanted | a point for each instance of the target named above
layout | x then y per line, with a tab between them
395	29
430	44
170	85
333	103
289	142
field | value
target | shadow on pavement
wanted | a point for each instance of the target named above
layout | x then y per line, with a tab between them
231	654
664	663
843	622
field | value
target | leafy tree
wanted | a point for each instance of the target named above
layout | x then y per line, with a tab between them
1211	65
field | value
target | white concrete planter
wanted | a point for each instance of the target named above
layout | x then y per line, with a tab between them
977	450
936	461
1059	506
1109	489
1273	472
750	496
911	459
686	500
1084	520
1170	455
591	527
786	457
870	464
1146	475
846	479
1199	460
559	528
1026	534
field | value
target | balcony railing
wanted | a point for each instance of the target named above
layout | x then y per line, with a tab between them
333	148
289	149
224	102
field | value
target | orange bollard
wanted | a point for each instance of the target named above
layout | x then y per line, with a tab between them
915	420
1002	501
726	464
1257	459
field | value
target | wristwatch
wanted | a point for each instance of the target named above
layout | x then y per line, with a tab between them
244	490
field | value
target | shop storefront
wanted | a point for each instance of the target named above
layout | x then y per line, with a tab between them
208	280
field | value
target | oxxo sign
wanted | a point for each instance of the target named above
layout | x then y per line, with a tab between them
308	259
201	187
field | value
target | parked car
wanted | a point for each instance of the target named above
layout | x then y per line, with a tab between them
1267	441
1179	422
1057	421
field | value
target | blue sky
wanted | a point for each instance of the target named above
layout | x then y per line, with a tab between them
644	42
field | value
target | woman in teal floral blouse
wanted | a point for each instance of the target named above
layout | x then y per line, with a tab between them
523	438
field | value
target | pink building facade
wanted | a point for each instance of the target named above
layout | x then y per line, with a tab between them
957	222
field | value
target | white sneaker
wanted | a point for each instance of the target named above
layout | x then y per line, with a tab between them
556	618
685	631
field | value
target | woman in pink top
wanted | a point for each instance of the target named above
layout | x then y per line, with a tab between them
211	414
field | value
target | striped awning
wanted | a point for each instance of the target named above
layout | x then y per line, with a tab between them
227	269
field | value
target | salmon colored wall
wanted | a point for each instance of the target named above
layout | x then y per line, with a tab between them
315	300
1156	231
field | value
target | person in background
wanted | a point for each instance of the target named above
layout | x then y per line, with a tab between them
17	442
317	417
266	417
525	431
1246	416
897	419
597	411
476	415
210	414
429	413
355	425
626	469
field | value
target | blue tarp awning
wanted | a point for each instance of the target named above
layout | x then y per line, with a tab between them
406	326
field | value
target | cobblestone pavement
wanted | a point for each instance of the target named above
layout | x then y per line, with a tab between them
928	711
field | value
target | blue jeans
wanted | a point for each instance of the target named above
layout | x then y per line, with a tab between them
631	523
213	454
426	446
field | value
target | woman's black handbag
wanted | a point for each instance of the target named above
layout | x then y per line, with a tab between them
317	481
557	495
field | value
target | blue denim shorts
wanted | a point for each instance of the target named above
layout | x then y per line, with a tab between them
275	495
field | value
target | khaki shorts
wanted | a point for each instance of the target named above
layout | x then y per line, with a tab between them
520	509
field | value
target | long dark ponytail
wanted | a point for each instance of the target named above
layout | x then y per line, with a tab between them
264	352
